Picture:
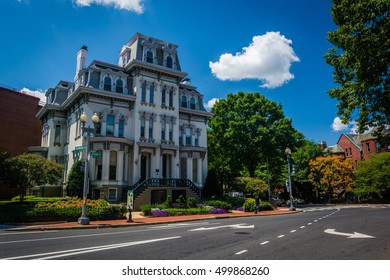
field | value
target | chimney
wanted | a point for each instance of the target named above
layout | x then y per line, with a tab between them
81	60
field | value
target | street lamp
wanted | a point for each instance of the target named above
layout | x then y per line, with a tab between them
84	220
288	153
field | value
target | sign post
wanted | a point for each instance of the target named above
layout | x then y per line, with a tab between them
130	204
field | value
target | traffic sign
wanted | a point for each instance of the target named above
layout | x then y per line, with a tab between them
95	154
80	148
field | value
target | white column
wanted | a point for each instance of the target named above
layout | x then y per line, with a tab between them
200	171
119	167
189	169
126	172
105	165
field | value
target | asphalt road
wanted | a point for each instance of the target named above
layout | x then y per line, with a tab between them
321	233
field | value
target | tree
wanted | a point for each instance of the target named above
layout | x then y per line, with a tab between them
301	159
211	185
245	130
361	61
75	183
372	175
331	174
30	170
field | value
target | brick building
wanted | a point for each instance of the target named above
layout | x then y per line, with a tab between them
358	146
19	126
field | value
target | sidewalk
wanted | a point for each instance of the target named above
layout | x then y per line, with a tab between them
138	219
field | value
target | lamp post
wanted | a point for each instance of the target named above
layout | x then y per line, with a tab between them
288	153
84	220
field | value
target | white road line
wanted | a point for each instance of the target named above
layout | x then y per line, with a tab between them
26	232
302	227
241	252
294	230
280	236
315	221
309	224
265	242
65	253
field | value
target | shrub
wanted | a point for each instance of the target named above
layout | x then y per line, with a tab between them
159	213
249	205
181	201
218	211
191	202
219	204
146	209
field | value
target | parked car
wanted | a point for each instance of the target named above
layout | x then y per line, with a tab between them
277	200
297	200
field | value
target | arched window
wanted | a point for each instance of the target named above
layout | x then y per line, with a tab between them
151	94
171	98
110	125
119	86
143	127
151	128
112	173
107	83
143	93
163	96
98	167
183	101
169	62
192	103
149	56
162	130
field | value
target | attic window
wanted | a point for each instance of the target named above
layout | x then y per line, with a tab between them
149	56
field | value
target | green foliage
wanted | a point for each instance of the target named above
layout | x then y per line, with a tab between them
187	211
249	205
372	175
245	130
146	209
252	185
75	183
219	204
301	158
191	202
211	186
29	170
58	210
181	201
361	61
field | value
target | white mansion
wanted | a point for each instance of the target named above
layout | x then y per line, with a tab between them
151	136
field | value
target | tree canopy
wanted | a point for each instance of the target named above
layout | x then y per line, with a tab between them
29	170
361	61
372	175
245	130
75	183
332	174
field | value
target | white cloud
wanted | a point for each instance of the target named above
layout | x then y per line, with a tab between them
130	5
268	59
210	104
37	93
337	125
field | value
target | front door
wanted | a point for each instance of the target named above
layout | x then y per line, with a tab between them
144	167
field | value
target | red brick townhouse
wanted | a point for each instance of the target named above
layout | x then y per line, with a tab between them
19	127
358	146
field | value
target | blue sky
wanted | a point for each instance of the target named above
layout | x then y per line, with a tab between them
272	47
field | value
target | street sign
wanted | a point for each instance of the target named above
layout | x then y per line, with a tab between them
130	199
95	154
80	148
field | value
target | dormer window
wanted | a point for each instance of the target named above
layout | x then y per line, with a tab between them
192	103
169	62
107	83
149	56
184	101
119	86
